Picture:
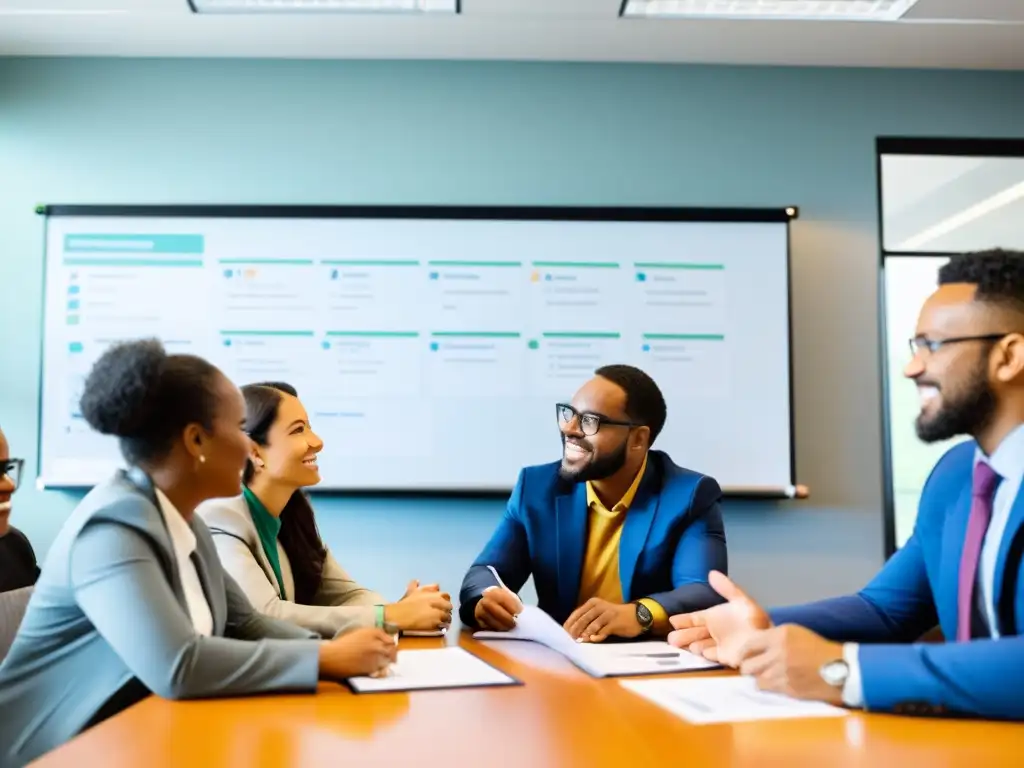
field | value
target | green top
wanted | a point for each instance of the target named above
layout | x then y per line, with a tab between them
267	528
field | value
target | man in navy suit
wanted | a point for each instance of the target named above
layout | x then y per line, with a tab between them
963	567
616	536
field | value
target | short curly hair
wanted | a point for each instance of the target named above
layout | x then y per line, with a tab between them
146	397
998	274
644	402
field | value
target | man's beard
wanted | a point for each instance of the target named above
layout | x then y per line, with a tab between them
966	413
594	470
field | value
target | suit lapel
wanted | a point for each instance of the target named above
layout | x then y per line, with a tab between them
637	526
1013	527
953	535
571	511
144	485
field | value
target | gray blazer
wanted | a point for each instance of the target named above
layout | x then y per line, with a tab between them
339	605
108	624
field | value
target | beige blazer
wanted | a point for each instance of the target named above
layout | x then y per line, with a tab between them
339	605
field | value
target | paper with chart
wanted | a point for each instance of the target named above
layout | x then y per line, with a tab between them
703	700
649	657
438	668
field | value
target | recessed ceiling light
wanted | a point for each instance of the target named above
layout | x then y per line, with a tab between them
801	10
325	6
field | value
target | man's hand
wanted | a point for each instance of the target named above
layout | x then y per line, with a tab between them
497	609
598	619
718	633
788	660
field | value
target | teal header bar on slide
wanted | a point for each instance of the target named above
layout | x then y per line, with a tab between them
123	243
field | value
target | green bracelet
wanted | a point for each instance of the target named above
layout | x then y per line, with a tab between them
379	623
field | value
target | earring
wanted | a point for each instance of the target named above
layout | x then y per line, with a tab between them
202	459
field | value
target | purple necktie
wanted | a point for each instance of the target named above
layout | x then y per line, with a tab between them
985	481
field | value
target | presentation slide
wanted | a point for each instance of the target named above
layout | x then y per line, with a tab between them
909	280
430	352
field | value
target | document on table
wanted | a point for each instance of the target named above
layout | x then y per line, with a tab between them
612	659
703	700
433	669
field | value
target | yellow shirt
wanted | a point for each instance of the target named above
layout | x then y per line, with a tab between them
600	574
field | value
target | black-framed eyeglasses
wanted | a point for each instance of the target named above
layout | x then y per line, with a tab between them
590	423
11	468
922	344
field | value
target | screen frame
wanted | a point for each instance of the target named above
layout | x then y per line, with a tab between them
906	145
739	215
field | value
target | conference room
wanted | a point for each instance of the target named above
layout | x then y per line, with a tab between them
438	221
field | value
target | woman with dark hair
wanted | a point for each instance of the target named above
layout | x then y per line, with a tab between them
132	599
268	541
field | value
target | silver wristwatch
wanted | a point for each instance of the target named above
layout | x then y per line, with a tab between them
835	672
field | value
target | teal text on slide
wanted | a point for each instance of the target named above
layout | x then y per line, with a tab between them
123	243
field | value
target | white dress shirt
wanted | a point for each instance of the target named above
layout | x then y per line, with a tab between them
184	543
1008	461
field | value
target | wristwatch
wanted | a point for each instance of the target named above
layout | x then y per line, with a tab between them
644	617
835	672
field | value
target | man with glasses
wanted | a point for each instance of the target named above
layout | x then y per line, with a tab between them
963	567
18	567
616	536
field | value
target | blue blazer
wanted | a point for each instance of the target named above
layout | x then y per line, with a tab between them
916	589
671	538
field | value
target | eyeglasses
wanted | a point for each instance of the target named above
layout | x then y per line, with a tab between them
919	344
11	468
590	423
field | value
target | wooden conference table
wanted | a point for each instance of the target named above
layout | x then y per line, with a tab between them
559	717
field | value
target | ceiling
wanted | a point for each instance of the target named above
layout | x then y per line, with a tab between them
961	34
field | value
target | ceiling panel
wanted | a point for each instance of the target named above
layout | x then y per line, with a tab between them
532	30
592	9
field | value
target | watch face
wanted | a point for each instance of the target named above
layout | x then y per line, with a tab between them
835	673
643	615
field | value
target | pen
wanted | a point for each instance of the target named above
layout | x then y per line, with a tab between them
501	583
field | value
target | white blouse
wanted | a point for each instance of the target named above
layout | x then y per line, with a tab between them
184	543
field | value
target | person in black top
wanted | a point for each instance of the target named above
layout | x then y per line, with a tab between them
18	567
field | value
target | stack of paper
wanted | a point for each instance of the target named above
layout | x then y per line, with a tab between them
725	699
438	668
600	659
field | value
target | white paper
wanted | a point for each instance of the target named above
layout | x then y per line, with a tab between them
648	657
703	700
600	659
435	668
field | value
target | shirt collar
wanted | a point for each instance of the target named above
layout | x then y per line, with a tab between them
182	537
627	499
1008	457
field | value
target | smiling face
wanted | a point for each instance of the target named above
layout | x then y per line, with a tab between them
954	381
289	457
600	455
228	444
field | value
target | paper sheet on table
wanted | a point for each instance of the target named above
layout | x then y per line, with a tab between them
648	657
432	669
703	700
